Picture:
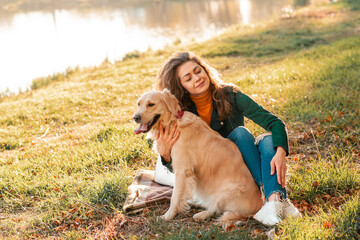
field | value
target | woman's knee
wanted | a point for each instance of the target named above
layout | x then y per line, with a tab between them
241	133
265	144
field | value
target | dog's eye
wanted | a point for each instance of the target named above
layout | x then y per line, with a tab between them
151	104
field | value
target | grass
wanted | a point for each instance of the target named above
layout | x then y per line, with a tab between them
342	223
318	177
68	152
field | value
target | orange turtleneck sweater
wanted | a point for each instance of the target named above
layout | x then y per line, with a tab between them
204	106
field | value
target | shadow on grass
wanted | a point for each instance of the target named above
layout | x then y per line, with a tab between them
271	43
353	4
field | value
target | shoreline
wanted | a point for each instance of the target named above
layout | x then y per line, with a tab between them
67	63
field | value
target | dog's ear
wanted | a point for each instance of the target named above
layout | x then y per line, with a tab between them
171	102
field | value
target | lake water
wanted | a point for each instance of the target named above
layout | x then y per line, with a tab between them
39	38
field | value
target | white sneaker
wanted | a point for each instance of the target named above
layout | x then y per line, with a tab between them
290	210
270	214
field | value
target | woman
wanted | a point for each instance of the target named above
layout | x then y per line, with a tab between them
223	107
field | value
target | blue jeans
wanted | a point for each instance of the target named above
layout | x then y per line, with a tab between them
257	158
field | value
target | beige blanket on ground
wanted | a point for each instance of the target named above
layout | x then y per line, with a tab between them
145	193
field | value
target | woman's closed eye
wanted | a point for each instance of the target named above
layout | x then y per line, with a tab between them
187	79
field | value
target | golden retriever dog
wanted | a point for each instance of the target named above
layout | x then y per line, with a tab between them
206	165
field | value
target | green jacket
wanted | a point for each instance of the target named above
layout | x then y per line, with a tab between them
244	106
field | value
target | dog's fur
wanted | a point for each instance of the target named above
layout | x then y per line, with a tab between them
205	164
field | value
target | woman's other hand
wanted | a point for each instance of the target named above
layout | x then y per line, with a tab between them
278	163
166	139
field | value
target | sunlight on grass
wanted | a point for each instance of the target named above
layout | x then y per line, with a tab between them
97	172
343	223
316	177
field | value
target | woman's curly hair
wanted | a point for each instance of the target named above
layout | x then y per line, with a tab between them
168	78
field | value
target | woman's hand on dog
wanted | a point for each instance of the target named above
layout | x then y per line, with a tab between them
279	163
166	139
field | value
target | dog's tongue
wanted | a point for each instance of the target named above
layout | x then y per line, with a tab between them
141	128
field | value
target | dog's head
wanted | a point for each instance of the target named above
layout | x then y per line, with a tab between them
153	107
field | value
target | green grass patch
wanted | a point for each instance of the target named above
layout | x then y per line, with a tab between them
342	223
211	232
58	77
321	176
334	86
353	4
96	172
8	145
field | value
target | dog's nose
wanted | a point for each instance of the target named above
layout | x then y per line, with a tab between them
137	118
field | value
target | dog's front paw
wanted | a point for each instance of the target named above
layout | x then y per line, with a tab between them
202	216
167	216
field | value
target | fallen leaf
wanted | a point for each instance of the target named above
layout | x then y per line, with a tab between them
327	224
73	210
230	227
256	231
326	196
315	184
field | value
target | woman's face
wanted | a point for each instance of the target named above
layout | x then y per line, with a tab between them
193	78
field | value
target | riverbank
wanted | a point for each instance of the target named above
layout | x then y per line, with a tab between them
110	29
70	141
